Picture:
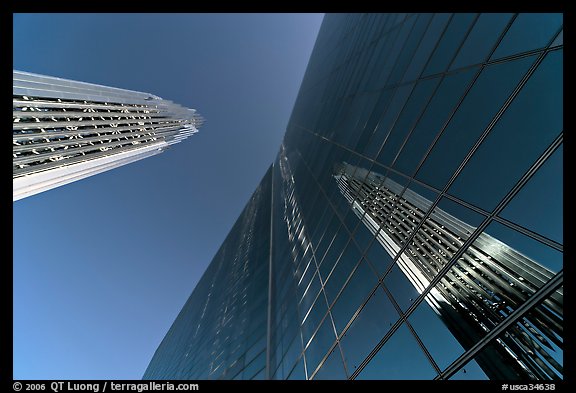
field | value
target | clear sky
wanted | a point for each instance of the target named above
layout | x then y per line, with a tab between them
102	266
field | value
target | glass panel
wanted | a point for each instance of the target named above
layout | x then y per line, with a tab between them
450	212
387	120
540	255
436	114
427	195
426	46
531	349
364	114
331	231
489	92
261	375
369	327
435	334
447	47
317	228
484	287
310	296
529	31
406	120
254	367
333	368
400	358
372	122
410	47
351	220
392	54
298	371
538	205
317	312
535	118
353	295
401	289
340	241
341	205
481	39
309	271
341	272
363	236
320	345
379	257
293	352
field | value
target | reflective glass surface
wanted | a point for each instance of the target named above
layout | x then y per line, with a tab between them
400	358
368	328
414	209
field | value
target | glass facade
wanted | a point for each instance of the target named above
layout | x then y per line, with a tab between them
411	224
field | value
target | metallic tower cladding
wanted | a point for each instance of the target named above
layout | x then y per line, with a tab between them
412	220
65	130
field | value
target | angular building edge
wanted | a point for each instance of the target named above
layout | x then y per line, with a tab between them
65	130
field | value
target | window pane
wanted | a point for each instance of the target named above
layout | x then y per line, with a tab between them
489	92
363	236
448	212
482	39
426	46
341	272
254	367
298	371
308	273
378	256
410	47
315	315
372	123
534	118
320	345
540	254
434	333
368	102
353	295
327	238
293	352
449	43
351	220
406	120
333	368
387	120
401	288
489	282
538	206
393	52
334	252
425	195
317	228
529	31
400	358
532	348
436	114
261	375
434	245
369	327
310	294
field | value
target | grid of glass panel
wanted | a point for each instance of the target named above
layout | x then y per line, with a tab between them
443	133
416	203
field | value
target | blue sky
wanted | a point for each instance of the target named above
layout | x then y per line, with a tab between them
102	266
